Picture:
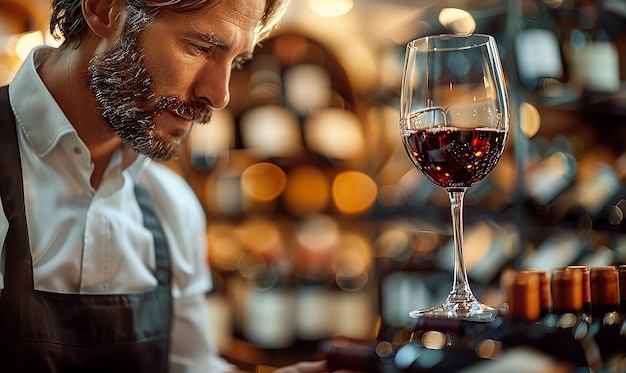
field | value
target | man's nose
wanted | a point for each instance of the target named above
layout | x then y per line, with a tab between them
213	85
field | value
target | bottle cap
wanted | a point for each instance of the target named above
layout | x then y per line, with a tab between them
604	286
524	296
567	295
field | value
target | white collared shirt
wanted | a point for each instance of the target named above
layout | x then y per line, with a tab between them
85	240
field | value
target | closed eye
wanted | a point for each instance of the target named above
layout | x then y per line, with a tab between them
201	48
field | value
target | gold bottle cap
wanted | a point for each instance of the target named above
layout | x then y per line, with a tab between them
524	296
604	286
567	295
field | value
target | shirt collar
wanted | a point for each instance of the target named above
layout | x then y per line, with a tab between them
39	116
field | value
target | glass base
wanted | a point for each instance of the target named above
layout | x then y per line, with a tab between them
471	310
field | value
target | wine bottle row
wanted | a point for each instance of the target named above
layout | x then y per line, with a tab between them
572	319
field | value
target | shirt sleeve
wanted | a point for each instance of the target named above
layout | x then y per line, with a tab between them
192	350
184	221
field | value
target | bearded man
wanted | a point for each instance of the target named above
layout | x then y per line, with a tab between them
103	258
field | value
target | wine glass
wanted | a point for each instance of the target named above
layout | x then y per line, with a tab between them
454	121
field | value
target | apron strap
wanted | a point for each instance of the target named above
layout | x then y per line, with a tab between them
161	248
12	196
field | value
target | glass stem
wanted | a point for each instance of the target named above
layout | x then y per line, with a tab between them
461	291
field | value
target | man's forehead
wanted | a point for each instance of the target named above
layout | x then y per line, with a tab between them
246	14
234	22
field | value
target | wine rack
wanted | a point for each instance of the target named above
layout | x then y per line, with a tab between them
557	197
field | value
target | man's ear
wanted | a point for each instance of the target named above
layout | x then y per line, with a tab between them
103	16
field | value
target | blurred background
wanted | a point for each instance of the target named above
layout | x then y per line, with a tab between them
319	225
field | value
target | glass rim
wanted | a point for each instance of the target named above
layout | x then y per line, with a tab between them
422	43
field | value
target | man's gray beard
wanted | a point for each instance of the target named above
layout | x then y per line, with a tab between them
123	89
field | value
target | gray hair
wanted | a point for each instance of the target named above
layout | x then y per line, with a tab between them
68	24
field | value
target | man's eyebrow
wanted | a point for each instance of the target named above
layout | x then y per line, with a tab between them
212	39
220	43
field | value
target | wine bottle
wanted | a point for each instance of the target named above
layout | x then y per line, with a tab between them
590	51
604	283
567	295
543	289
523	295
593	198
585	289
607	325
572	334
558	250
549	178
539	72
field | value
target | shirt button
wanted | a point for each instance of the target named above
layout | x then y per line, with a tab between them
77	150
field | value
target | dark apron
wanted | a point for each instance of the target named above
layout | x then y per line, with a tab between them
49	332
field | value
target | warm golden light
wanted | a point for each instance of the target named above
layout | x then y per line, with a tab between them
353	192
223	236
530	119
307	191
26	42
475	238
459	21
271	131
261	236
352	257
14	48
392	244
308	87
434	340
316	237
489	349
336	133
331	8
263	182
318	232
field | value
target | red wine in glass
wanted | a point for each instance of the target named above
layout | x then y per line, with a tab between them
453	157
